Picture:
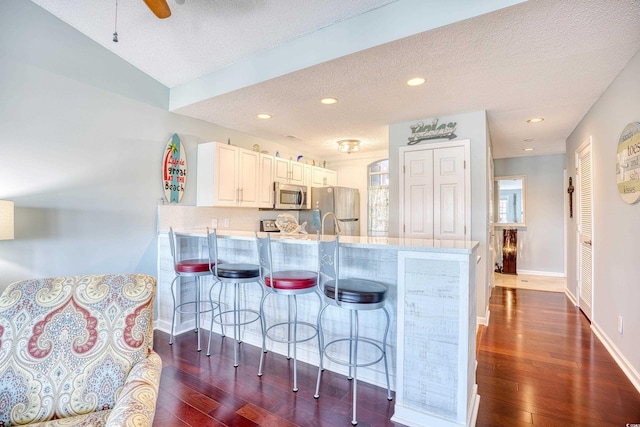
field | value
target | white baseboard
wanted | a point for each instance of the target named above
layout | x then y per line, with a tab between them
571	297
480	320
541	273
622	361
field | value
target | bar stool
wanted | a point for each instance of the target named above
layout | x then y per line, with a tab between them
289	283
353	295
189	267
235	274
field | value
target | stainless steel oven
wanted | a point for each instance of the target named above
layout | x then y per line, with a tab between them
290	196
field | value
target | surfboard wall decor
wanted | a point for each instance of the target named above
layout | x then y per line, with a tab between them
174	170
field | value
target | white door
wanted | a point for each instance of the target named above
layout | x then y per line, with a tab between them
449	193
418	194
584	232
434	193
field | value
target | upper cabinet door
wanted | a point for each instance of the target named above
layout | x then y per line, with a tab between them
265	183
296	172
229	176
226	175
281	170
322	177
248	175
288	171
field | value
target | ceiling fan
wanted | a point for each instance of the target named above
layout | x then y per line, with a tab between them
159	7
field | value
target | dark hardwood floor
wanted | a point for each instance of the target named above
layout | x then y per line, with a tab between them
538	364
196	390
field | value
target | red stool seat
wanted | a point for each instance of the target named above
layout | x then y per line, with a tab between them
194	266
292	280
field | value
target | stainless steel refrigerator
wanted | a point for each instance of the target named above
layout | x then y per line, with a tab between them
344	202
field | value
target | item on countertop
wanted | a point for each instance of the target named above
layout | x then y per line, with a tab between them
288	224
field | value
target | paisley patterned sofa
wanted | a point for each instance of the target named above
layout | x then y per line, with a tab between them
77	351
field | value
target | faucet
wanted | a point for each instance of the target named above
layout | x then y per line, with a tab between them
335	222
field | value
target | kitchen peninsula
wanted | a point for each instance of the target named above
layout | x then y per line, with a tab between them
431	300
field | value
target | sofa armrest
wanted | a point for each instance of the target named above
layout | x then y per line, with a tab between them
136	404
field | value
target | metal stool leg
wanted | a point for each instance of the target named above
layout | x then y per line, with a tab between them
384	354
295	339
198	283
236	324
173	317
354	334
322	350
213	314
264	333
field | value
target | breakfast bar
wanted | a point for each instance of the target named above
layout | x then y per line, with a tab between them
431	299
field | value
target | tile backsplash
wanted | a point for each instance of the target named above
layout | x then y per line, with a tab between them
190	217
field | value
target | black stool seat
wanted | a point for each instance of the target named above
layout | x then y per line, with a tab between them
356	291
238	271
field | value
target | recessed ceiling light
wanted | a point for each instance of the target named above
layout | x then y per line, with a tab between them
536	120
528	149
328	101
416	81
264	116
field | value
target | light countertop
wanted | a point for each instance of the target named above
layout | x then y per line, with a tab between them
397	243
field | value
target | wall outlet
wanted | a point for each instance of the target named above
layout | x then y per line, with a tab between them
214	223
620	324
226	223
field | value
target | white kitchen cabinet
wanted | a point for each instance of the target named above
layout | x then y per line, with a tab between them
332	177
248	175
321	177
265	183
308	175
227	176
288	171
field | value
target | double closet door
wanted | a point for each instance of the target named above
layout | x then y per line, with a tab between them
434	191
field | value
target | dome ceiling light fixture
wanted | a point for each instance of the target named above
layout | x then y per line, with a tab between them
536	120
348	145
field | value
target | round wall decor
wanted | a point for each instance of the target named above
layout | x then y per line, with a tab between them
628	163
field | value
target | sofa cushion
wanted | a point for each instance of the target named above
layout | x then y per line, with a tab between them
67	344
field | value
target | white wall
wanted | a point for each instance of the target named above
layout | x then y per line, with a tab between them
82	148
472	126
616	270
541	242
353	171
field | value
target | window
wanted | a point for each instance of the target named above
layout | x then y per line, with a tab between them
378	202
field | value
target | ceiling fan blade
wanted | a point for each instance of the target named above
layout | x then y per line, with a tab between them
159	7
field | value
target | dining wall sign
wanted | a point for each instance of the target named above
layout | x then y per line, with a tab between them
422	132
628	163
174	170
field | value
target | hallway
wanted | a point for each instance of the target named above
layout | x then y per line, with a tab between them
540	364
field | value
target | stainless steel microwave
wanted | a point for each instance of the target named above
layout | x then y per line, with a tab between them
290	196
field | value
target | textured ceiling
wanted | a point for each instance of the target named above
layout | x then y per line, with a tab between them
550	58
